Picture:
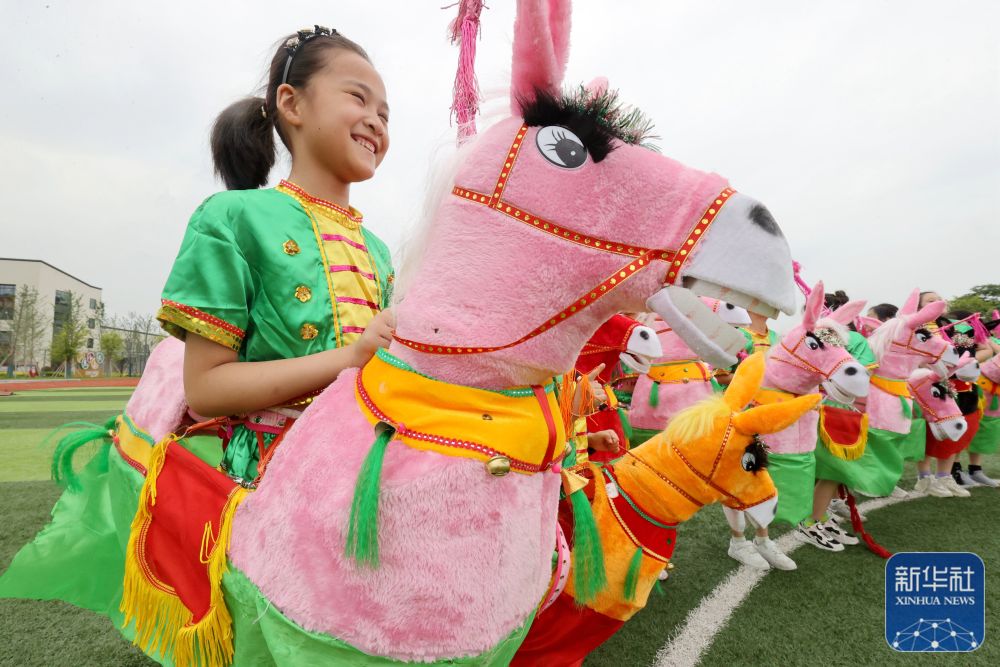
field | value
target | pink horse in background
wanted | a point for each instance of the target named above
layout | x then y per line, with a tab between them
936	399
811	355
900	345
677	379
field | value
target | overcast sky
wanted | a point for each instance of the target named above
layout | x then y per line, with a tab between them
868	127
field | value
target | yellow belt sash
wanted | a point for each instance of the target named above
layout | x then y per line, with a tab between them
467	422
894	387
679	372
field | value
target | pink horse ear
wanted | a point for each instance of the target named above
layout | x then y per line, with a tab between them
541	48
846	313
928	313
964	360
911	304
814	306
870	324
598	86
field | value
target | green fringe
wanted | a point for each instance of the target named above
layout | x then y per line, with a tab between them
632	576
654	395
62	458
362	527
907	412
658	587
626	424
995	403
589	576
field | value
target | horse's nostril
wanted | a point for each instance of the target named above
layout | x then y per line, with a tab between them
644	335
851	370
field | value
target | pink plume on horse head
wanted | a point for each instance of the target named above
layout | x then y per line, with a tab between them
541	49
814	306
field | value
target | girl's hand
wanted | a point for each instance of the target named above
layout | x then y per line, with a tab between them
377	334
603	441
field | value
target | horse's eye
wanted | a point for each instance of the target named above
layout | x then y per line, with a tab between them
937	393
922	337
811	342
561	147
749	462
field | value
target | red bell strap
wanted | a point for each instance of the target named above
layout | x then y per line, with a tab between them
639	257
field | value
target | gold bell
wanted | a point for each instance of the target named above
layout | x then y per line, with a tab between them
498	466
670	566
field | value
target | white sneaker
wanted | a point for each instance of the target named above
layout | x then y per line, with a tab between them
952	486
938	488
743	550
772	554
819	538
839	509
985	480
923	485
837	533
898	493
964	479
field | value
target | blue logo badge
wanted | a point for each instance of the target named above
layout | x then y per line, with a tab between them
935	601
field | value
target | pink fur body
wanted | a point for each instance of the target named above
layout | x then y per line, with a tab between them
672	397
465	556
991	371
158	404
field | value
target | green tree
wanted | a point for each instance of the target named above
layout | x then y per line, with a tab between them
113	348
28	322
982	299
72	333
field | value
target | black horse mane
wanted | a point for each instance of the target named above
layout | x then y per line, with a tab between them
597	119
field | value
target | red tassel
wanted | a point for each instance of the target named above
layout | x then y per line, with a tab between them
465	94
859	527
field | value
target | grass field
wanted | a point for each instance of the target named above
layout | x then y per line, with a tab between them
828	612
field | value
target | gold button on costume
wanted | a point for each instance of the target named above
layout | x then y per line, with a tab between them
290	247
308	331
303	293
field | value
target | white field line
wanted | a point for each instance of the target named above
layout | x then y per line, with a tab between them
701	626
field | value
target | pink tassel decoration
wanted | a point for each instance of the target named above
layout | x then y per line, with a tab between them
465	96
979	332
804	286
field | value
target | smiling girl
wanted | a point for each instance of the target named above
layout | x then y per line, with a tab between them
284	288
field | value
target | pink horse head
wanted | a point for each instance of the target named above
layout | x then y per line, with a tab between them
812	354
559	217
937	400
901	345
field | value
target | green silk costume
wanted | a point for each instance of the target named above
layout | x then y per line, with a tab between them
274	274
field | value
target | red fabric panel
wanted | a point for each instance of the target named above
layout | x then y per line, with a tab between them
189	494
942	449
564	634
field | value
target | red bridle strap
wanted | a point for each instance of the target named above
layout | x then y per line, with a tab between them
639	257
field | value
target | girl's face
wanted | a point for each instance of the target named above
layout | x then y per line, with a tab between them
929	297
345	117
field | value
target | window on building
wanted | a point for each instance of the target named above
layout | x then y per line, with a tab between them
93	304
7	293
91	323
60	310
90	343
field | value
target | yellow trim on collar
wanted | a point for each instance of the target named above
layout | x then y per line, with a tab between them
894	387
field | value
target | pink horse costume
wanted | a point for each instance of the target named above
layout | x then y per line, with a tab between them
676	380
900	345
435	543
810	355
987	440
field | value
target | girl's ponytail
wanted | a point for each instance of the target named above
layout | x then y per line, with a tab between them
243	148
